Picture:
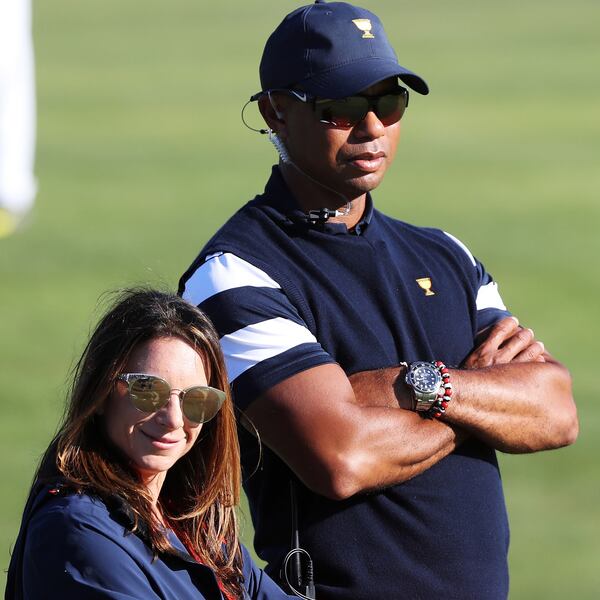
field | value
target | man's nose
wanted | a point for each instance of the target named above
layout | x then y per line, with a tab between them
370	127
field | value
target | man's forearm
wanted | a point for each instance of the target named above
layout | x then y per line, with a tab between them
339	444
414	445
515	407
510	393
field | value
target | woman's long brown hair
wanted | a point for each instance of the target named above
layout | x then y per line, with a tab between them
202	489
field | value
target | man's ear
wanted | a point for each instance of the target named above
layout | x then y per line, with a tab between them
272	114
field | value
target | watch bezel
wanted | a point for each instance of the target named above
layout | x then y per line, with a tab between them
423	398
416	366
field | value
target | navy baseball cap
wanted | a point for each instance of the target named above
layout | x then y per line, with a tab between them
331	50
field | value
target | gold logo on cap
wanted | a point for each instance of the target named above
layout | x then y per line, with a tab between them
425	284
365	26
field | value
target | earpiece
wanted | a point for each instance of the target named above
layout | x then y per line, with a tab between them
314	216
279	146
318	216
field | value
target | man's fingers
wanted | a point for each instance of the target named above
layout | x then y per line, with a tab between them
513	346
506	342
533	353
502	331
486	353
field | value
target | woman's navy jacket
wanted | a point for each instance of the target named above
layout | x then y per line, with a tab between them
74	547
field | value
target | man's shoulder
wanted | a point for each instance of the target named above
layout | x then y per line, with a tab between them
253	235
262	223
433	237
249	229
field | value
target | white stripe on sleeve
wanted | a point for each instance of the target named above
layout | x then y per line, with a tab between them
461	245
223	272
488	296
250	345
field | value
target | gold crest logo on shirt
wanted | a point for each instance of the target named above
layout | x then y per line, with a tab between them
365	26
425	285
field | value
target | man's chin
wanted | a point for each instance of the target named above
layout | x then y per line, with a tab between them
363	184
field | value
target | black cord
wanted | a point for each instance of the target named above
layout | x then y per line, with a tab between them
309	588
263	131
303	579
297	564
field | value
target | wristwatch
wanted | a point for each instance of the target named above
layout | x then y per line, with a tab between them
425	380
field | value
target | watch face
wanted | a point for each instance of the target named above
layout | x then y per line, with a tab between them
424	377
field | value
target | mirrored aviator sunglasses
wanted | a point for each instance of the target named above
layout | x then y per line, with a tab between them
149	394
349	111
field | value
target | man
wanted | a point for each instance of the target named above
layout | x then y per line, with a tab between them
325	305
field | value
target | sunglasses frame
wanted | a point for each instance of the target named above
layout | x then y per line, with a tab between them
131	378
372	104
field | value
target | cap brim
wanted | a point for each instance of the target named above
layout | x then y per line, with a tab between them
354	77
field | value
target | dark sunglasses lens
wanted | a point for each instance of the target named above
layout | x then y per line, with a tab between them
390	108
201	404
148	393
345	112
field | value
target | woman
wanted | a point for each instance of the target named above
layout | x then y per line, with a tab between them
135	496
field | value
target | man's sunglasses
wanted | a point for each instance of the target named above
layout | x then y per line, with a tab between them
348	112
149	393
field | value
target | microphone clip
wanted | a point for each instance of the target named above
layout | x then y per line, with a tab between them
319	216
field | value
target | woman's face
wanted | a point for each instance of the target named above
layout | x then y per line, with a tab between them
155	442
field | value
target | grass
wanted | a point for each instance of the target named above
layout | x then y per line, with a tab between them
142	155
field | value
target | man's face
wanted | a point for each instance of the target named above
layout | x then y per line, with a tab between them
352	161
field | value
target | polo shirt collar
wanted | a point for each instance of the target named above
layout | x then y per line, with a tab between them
278	196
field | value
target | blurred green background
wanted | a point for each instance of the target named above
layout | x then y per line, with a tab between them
142	155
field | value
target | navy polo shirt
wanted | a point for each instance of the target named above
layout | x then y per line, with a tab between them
286	296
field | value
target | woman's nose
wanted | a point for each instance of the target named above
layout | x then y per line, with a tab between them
171	415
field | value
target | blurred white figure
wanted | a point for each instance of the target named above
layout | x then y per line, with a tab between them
17	114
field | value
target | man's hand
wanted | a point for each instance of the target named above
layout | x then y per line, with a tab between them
505	342
512	394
